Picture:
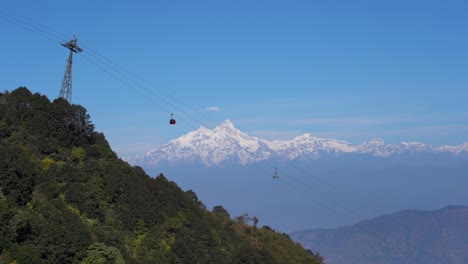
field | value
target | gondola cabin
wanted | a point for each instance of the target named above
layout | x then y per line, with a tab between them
172	121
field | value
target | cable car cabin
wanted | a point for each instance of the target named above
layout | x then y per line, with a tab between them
172	121
276	175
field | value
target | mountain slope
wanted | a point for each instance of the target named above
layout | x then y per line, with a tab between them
65	197
226	143
404	237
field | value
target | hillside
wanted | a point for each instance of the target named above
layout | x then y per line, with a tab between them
65	197
410	236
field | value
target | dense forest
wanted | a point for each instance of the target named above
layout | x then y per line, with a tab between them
65	197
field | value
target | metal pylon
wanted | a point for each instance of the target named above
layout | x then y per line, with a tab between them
66	90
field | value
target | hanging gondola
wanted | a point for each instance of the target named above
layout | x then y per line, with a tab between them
276	175
172	121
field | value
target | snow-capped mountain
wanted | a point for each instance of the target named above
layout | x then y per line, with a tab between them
227	143
223	143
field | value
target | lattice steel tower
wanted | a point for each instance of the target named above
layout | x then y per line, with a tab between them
66	90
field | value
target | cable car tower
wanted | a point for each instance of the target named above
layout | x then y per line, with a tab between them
66	90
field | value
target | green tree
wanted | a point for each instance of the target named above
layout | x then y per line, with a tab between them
78	153
220	211
99	253
5	216
18	173
255	221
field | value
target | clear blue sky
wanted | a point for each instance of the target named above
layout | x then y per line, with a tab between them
349	70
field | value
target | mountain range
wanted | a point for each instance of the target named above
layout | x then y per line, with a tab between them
404	237
225	143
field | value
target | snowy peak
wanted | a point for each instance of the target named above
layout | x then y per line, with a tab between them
226	128
227	143
212	147
306	136
226	124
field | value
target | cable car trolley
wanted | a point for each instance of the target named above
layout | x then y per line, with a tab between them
172	121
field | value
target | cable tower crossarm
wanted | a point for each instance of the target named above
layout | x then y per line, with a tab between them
66	89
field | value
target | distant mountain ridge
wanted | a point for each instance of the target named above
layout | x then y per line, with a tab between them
226	143
404	237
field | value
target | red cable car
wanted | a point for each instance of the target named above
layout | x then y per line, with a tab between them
172	121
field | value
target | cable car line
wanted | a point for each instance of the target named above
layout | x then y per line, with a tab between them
135	90
145	88
301	183
353	212
137	78
276	176
433	259
350	197
63	37
383	231
308	195
30	28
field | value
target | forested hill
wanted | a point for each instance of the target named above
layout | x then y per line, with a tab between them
65	197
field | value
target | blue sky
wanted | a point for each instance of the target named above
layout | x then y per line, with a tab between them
349	70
